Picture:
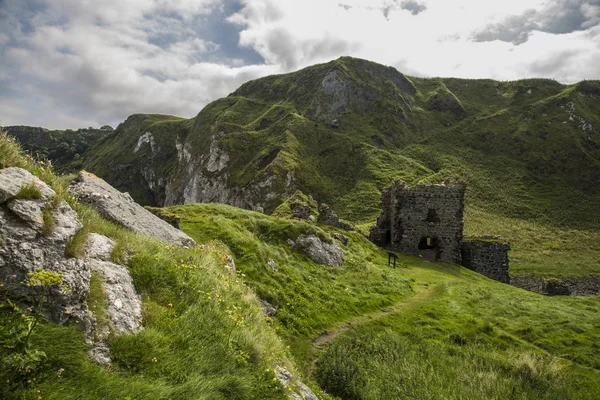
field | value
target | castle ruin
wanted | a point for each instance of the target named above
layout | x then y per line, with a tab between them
427	220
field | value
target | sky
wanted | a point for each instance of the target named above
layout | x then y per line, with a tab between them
79	63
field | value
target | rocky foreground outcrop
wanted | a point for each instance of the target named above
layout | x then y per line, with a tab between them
123	210
35	230
28	242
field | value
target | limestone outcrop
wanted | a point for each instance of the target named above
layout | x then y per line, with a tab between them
121	209
299	390
33	235
319	251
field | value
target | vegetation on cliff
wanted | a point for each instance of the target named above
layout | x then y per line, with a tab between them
204	333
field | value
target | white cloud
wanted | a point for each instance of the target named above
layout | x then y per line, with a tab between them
76	62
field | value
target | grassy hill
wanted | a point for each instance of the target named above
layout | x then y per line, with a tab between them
341	132
362	330
422	330
204	334
63	148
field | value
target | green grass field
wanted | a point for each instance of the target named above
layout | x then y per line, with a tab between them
453	334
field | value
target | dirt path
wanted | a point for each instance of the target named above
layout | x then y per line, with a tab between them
422	294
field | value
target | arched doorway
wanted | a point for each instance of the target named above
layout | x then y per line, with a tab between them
428	248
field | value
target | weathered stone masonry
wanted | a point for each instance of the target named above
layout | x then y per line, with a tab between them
421	218
487	256
427	220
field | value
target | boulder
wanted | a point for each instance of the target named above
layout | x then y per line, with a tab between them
124	305
13	179
272	266
121	209
268	308
319	251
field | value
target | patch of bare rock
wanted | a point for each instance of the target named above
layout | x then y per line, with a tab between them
318	250
121	209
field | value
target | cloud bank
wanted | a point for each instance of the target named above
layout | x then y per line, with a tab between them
74	63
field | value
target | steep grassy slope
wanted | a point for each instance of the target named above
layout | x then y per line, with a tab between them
204	334
361	333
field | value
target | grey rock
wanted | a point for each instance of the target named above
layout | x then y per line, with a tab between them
271	264
318	251
124	305
120	209
100	353
13	179
24	249
328	217
300	390
268	308
231	266
99	247
66	224
342	238
300	211
29	211
575	286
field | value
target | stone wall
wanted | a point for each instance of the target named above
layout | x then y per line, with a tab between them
487	256
574	286
411	215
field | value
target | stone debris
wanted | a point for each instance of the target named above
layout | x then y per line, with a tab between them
121	209
272	266
299	390
269	309
573	286
319	251
230	265
328	217
341	238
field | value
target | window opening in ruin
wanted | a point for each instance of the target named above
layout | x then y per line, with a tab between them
428	248
432	216
388	237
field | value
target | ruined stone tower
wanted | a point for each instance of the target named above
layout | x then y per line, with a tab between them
422	220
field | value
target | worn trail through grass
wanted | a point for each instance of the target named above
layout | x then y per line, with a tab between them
423	293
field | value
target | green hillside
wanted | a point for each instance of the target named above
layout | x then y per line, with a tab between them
361	330
204	334
63	148
422	330
341	132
